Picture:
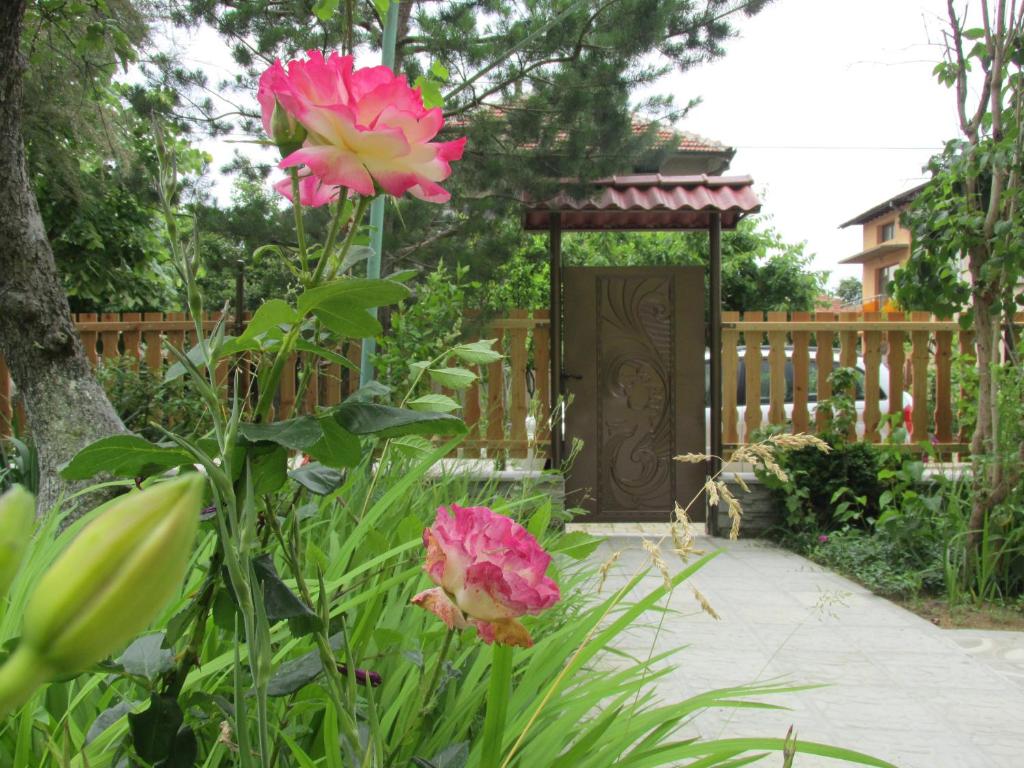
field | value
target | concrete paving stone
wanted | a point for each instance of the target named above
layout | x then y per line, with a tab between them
901	689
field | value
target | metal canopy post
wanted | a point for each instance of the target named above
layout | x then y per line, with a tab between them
715	355
555	243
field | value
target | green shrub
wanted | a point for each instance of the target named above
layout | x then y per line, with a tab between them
142	399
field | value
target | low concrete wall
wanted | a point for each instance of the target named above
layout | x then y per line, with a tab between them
760	509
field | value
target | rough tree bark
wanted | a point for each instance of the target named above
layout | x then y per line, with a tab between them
66	407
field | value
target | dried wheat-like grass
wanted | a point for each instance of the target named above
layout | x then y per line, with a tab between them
692	458
734	508
659	562
712	491
705	605
605	568
741	482
799	440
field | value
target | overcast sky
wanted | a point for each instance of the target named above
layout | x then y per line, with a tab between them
832	107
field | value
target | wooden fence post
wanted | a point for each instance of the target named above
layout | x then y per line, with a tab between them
730	383
896	359
88	337
872	385
919	359
825	360
752	394
848	359
496	394
777	371
801	374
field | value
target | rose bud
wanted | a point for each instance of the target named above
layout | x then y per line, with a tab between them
285	130
17	521
106	587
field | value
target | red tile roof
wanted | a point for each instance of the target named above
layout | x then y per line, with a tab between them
650	202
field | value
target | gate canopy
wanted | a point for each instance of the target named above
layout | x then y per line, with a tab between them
649	202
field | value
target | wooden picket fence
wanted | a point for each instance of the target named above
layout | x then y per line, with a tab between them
800	352
496	408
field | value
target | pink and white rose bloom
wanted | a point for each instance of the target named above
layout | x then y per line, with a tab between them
489	571
365	128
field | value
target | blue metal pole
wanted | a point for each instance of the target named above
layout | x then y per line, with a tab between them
366	372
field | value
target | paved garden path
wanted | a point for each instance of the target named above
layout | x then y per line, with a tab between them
899	688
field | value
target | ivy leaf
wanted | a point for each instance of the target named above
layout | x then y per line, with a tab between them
123	456
298	433
362	418
453	378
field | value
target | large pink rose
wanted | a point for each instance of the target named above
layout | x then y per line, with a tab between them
489	571
365	128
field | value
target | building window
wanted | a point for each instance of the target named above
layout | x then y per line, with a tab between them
884	280
887	232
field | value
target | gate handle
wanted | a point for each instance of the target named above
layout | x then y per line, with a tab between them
576	376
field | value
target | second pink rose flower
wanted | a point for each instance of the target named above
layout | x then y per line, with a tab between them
489	571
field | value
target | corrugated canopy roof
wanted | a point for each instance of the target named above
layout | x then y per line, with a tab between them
650	202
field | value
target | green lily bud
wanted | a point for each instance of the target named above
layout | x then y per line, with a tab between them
106	587
17	521
288	133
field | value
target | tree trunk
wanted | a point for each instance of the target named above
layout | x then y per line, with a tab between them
66	407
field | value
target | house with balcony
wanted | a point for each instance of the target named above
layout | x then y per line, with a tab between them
886	246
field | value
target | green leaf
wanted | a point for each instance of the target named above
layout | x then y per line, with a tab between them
269	468
298	433
975	33
355	255
327	354
434	403
348	321
454	378
324	9
578	545
431	91
317	478
282	604
270	316
478	353
412	446
369	391
540	521
354	292
123	456
384	421
154	729
337	447
146	657
196	355
295	675
382	7
403	275
439	71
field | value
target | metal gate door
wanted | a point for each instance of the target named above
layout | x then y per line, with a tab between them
634	366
